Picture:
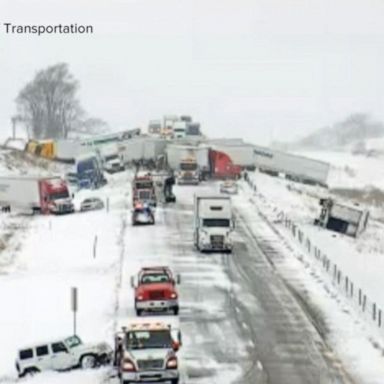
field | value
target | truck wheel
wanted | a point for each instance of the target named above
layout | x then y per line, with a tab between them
175	381
176	311
30	372
88	361
139	312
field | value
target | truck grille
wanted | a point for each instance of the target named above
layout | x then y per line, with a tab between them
150	364
217	241
156	295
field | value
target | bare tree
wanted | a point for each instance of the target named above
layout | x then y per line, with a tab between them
48	104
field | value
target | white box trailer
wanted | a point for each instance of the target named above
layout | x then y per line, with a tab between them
144	148
213	223
343	218
68	150
294	167
225	141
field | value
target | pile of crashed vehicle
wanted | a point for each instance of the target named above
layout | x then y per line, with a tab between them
144	351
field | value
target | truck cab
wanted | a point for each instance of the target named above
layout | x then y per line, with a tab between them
57	198
89	172
143	189
146	352
188	172
155	290
213	222
179	129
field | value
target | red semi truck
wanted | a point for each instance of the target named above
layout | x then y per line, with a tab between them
222	166
37	194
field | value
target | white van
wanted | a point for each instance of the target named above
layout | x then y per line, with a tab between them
61	355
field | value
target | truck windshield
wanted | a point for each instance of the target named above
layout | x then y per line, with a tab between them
188	166
72	341
144	184
216	222
86	165
58	195
155	278
149	339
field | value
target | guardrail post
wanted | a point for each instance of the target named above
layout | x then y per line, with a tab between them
352	287
360	298
374	311
346	284
334	272
364	302
328	264
338	277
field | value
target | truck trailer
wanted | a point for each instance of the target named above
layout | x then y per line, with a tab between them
347	219
213	223
35	194
294	167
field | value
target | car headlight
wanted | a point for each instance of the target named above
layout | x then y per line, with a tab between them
140	298
173	295
172	363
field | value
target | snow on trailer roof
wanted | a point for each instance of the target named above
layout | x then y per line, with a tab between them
211	196
32	177
264	151
157	322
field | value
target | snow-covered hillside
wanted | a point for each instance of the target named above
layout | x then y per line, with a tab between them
16	162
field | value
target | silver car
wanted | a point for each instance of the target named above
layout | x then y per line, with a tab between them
91	203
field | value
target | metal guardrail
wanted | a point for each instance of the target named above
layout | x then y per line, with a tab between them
339	279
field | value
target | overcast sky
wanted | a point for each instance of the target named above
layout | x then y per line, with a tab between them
259	69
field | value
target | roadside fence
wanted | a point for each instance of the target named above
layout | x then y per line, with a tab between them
340	280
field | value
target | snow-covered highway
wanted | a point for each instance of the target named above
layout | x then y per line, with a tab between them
241	321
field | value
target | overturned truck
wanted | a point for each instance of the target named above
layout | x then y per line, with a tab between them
342	218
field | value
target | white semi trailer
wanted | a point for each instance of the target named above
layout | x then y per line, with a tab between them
213	223
144	148
294	167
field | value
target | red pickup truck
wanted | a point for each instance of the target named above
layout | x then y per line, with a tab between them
156	290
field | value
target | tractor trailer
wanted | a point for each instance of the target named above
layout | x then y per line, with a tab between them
213	223
35	194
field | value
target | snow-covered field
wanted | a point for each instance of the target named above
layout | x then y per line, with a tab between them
351	171
42	257
360	259
57	254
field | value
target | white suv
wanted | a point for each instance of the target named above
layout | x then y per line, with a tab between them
61	355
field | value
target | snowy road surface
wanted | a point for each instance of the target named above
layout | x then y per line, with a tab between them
240	323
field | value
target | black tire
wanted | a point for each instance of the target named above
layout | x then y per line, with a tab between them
88	361
139	312
175	381
176	310
30	372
